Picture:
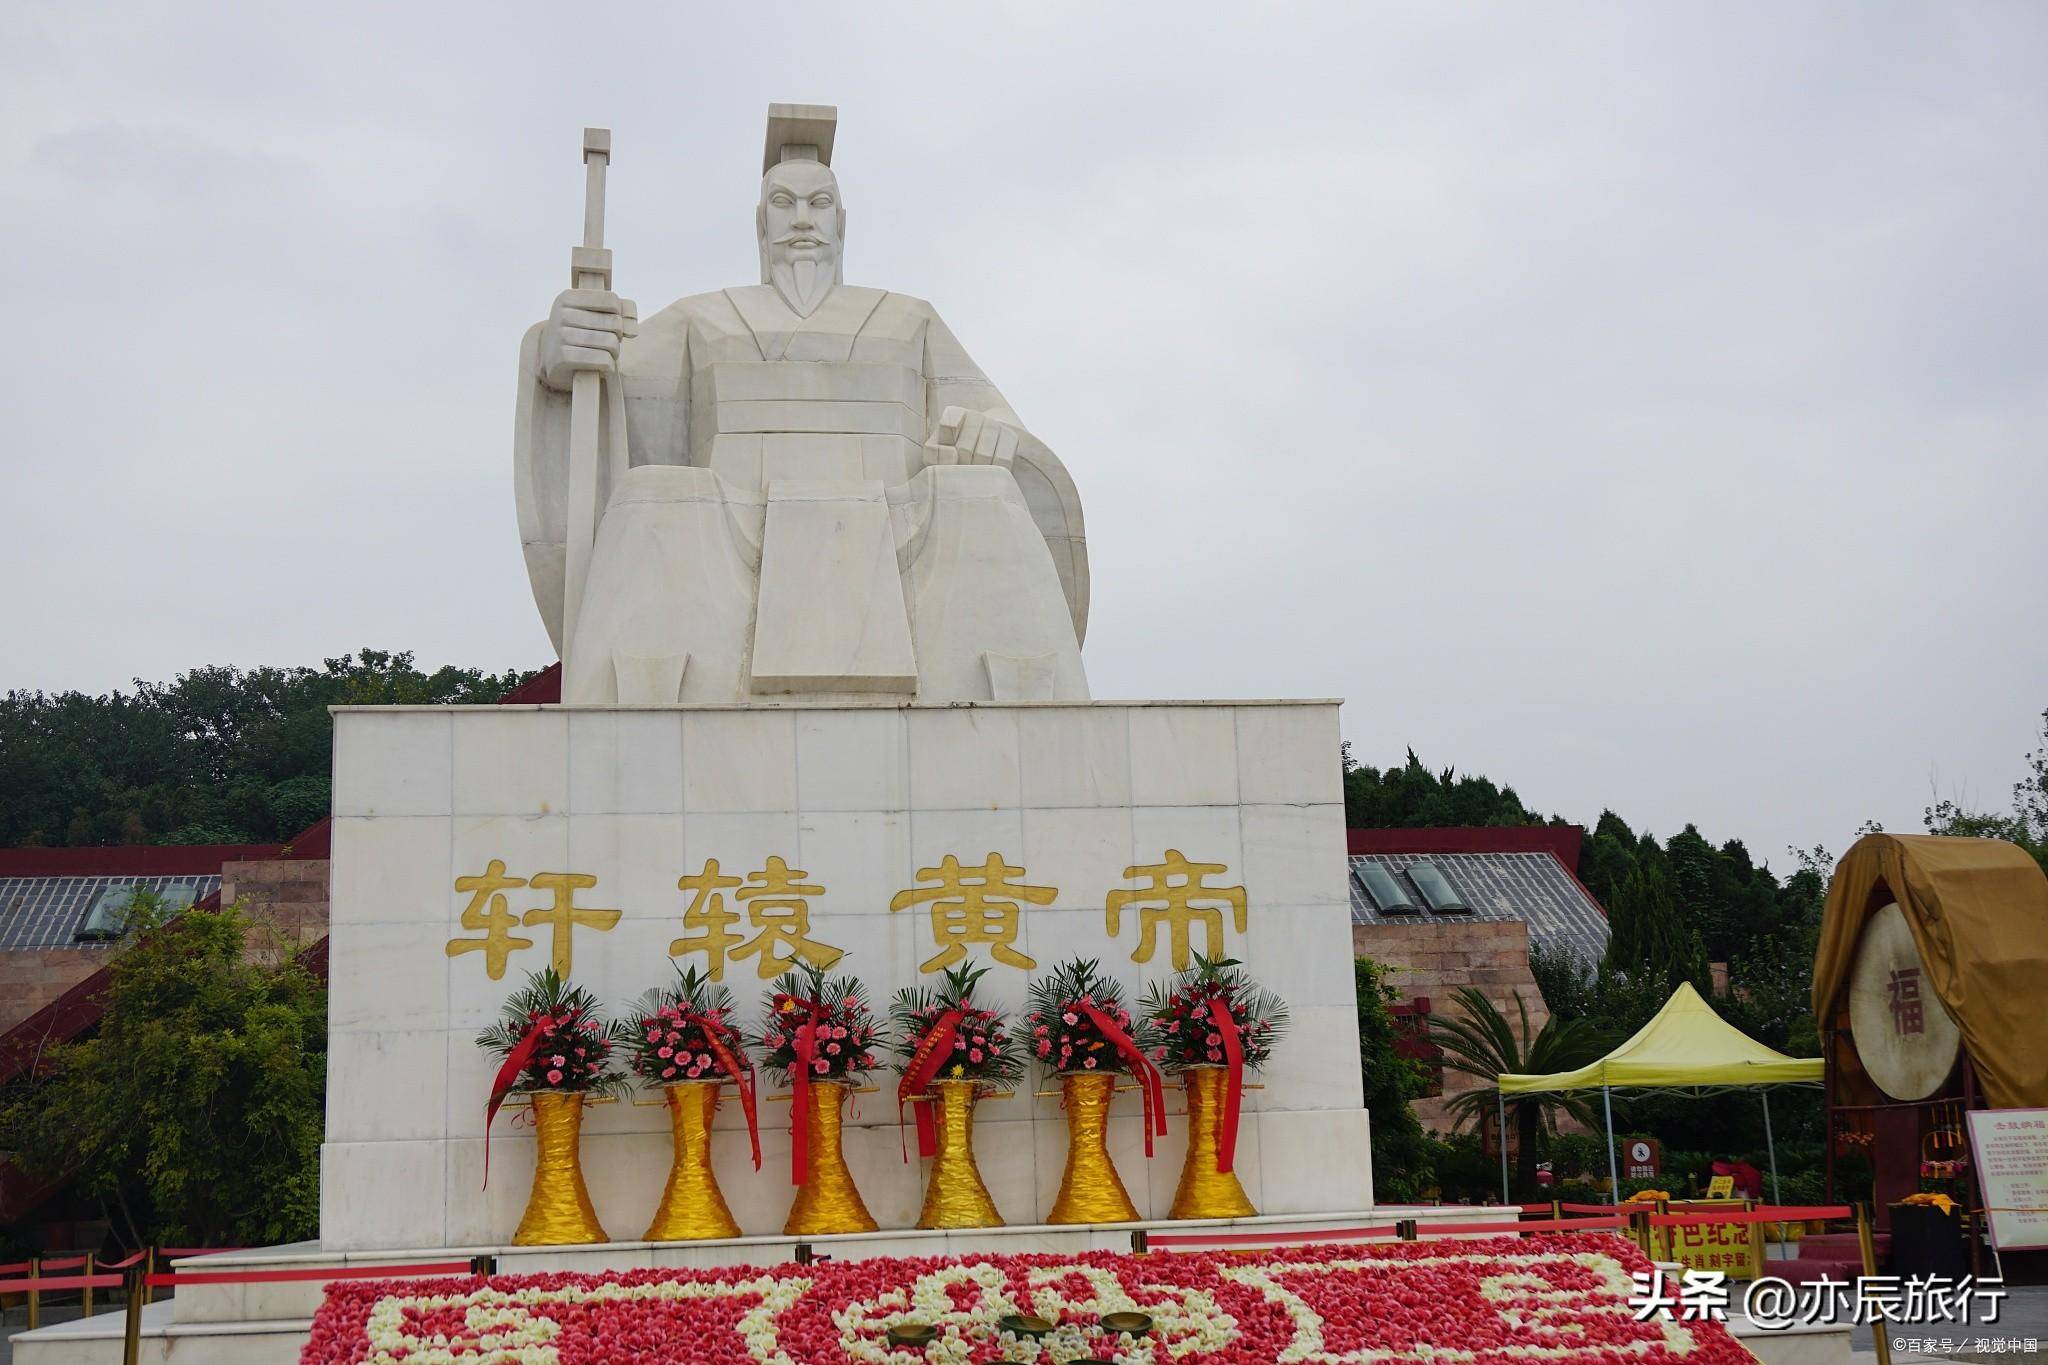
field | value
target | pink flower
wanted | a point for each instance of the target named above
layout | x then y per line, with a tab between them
1044	1047
667	1071
975	1055
821	1066
1088	1062
832	1049
561	1061
667	1052
554	1078
1070	1017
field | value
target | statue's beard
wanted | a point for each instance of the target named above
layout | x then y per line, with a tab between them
803	284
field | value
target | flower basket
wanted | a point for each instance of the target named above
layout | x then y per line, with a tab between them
1081	1030
553	1045
952	1052
1211	1025
819	1037
683	1040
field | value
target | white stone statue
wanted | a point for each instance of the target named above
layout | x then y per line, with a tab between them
805	489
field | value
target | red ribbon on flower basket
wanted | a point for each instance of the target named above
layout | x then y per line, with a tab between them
1151	1088
508	1076
742	1073
805	1043
1233	1089
930	1056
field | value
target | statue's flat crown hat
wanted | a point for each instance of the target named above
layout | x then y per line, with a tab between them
799	132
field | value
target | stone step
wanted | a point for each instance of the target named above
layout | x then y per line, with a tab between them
215	1303
97	1340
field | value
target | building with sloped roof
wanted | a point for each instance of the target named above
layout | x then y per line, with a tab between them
1445	908
62	909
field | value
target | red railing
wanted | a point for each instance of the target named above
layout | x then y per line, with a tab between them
1610	1218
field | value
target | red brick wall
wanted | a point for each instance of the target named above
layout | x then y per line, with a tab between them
1433	957
31	978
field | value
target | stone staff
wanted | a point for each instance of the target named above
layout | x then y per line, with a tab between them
590	267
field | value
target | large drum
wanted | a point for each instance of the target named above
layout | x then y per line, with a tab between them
1904	1035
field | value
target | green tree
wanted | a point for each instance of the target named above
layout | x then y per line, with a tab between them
1400	1152
1480	1042
220	755
1413	797
1648	935
194	1114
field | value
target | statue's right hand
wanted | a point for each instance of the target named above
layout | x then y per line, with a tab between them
583	332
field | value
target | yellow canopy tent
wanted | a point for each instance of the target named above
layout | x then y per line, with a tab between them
1685	1046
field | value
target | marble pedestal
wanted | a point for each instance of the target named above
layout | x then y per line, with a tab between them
860	799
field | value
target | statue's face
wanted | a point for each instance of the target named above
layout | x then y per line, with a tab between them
800	219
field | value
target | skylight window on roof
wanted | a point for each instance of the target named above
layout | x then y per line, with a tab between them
1437	891
113	907
1385	890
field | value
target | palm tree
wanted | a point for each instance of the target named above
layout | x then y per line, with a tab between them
1484	1045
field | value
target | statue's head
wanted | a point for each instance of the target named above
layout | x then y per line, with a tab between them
801	225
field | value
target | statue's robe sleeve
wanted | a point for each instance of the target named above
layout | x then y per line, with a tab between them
952	379
652	409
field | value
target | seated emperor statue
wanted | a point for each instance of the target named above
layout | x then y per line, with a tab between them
810	491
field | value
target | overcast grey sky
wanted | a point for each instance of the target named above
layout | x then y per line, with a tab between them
1643	405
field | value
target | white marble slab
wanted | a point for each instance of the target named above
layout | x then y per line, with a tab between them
862	800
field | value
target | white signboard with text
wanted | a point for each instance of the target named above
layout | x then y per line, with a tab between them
2010	1150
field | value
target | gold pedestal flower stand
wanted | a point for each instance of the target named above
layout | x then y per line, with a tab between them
827	1201
1204	1190
1090	1189
558	1212
692	1206
954	1195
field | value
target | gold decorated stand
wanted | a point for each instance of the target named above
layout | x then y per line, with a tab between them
954	1195
558	1212
692	1206
827	1201
1090	1189
1204	1190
